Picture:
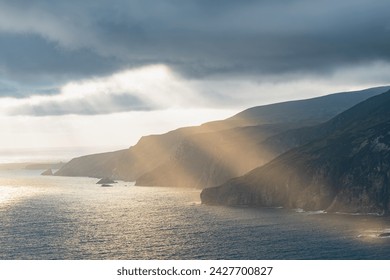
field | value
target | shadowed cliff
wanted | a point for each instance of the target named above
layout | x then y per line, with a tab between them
347	170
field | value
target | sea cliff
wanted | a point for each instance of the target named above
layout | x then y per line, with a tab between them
348	170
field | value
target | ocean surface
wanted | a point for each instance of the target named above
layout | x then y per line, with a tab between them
74	218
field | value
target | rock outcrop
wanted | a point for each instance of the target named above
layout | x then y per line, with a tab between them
106	181
348	170
47	172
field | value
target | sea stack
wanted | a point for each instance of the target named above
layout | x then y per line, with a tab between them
47	172
106	181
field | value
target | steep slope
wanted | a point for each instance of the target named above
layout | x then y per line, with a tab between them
347	171
164	153
293	138
130	163
206	160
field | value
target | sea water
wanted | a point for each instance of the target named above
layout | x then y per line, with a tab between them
49	217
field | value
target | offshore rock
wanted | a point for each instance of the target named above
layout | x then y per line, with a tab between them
47	172
106	181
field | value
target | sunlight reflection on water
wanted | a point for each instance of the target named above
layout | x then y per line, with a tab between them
74	218
6	193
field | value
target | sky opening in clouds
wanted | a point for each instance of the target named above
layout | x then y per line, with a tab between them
139	67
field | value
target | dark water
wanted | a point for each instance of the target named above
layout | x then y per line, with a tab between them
73	218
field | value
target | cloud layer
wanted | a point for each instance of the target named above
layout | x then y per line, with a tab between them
222	52
148	88
197	37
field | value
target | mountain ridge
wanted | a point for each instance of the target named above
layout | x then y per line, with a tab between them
135	163
346	171
234	158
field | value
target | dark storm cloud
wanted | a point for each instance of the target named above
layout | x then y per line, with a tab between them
78	39
29	57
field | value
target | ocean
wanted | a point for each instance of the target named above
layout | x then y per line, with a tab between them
48	217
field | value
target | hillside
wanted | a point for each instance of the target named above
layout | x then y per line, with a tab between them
205	160
211	153
346	171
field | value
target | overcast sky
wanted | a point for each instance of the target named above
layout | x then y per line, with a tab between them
140	66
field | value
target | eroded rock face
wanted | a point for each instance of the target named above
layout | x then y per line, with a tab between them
347	171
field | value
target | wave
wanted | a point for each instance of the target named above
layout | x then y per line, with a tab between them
359	214
383	234
300	210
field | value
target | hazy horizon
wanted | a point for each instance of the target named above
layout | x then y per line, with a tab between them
51	154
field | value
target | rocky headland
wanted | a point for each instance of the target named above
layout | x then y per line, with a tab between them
346	169
215	152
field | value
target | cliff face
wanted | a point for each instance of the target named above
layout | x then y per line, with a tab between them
211	158
214	152
206	160
130	163
346	171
